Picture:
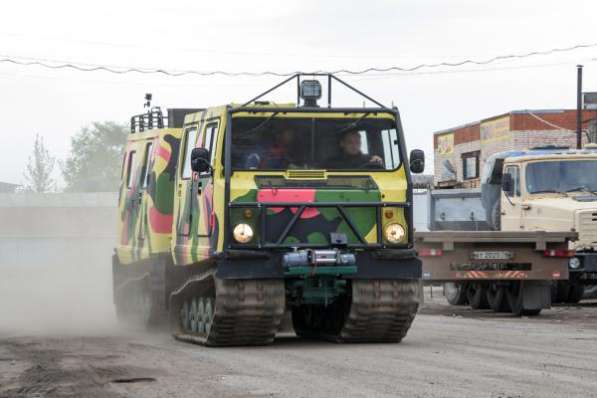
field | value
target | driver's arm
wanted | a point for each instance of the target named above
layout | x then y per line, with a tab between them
376	160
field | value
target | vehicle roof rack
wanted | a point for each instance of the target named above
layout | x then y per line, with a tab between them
309	76
155	119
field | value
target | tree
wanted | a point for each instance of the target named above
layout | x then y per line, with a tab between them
95	158
38	173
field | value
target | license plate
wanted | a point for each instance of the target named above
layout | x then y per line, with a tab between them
492	255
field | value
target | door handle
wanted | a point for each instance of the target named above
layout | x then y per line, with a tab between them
525	206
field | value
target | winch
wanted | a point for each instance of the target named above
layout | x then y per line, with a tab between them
302	258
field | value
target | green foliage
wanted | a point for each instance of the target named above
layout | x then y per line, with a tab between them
95	159
38	174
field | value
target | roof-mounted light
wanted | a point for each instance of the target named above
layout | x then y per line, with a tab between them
310	92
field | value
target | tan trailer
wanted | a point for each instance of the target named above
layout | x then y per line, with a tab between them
502	270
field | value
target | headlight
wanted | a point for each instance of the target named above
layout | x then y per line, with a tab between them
574	263
394	233
242	233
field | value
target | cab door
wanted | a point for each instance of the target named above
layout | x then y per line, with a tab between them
205	190
143	234
185	202
129	205
511	203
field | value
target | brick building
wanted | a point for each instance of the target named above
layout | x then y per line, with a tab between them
459	152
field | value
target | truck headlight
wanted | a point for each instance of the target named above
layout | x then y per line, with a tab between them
242	233
574	263
394	233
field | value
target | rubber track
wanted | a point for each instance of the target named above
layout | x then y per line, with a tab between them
381	311
247	312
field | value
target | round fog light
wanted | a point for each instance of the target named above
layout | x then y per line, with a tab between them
574	263
394	233
242	233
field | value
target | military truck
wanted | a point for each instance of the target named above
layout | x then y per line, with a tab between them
241	214
542	189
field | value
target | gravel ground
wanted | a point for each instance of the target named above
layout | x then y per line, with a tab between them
449	352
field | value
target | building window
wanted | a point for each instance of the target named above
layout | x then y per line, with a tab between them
470	165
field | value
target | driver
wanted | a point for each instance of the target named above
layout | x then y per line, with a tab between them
350	156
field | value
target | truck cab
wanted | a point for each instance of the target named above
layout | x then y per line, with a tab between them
548	189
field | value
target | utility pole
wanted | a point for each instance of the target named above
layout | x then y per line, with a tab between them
579	107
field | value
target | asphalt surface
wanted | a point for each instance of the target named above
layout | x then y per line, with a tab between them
449	352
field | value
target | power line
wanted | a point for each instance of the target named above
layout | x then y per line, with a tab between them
83	67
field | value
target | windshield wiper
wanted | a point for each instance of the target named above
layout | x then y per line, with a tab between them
260	125
351	125
548	191
582	188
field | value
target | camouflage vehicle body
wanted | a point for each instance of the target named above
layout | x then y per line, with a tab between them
146	203
365	288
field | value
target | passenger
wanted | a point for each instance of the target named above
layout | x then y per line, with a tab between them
277	156
350	156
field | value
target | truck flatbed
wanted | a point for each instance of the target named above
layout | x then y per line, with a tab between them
503	270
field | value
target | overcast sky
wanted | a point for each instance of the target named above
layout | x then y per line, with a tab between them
283	36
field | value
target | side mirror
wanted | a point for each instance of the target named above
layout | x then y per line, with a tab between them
507	184
417	161
200	160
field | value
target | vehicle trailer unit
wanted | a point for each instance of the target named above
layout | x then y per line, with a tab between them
502	270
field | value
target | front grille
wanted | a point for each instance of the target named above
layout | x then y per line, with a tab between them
587	227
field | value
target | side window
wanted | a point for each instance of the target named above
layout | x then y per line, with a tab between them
190	139
211	138
146	163
515	173
131	168
390	149
124	155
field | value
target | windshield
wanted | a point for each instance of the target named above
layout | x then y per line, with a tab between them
280	143
562	176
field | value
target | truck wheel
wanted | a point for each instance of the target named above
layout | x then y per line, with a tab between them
455	293
575	293
562	291
515	301
476	295
496	297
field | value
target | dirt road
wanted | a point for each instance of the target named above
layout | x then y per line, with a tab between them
446	354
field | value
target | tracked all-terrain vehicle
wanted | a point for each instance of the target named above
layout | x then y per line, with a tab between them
242	213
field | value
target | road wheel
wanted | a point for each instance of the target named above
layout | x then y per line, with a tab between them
201	315
184	316
575	293
476	295
455	293
496	297
209	314
193	313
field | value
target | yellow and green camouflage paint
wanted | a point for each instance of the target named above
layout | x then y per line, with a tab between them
146	204
186	216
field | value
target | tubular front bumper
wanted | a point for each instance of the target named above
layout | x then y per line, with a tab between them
375	264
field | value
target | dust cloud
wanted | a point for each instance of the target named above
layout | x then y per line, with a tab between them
56	298
55	263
